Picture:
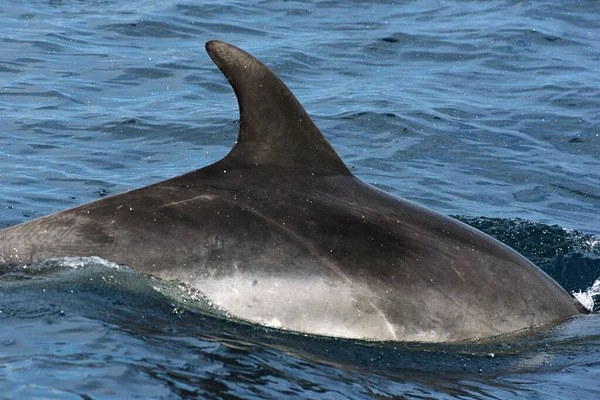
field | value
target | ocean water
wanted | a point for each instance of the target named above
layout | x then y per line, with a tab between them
487	111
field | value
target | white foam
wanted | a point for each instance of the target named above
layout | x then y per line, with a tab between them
80	262
587	298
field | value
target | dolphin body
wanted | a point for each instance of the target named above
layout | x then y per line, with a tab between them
279	232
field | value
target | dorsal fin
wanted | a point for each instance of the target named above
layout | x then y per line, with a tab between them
274	128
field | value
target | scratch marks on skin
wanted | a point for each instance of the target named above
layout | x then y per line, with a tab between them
388	324
308	245
327	262
202	197
460	275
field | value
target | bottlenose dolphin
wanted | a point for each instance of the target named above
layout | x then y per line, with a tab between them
279	232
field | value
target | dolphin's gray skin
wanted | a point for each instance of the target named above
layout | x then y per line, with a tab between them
280	232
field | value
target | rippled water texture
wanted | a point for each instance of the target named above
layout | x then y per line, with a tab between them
472	108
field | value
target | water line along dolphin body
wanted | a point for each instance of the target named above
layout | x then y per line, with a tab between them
279	232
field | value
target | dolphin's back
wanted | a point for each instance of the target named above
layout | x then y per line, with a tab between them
281	233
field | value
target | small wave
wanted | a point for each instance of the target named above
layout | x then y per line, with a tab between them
587	298
590	298
81	262
101	285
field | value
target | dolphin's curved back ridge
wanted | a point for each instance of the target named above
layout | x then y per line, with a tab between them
279	232
274	127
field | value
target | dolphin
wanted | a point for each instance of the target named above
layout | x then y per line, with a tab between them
280	233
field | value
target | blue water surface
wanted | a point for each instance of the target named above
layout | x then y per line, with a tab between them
489	111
